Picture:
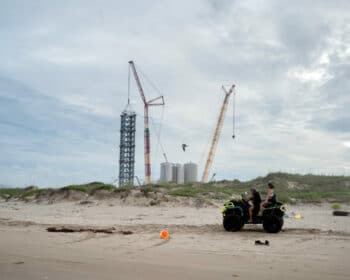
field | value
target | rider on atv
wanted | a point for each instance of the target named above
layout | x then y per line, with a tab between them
254	201
270	198
244	210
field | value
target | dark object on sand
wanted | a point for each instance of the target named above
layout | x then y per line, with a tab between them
235	215
258	242
18	263
86	202
72	228
126	232
340	213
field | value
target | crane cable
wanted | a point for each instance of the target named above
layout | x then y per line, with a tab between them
233	114
233	130
149	81
158	134
129	86
153	127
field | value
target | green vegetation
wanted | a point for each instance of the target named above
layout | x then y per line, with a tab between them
32	191
90	188
289	188
336	206
20	192
10	192
123	189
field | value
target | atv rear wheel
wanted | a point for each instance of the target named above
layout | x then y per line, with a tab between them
272	223
233	222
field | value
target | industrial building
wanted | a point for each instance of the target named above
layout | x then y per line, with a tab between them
178	173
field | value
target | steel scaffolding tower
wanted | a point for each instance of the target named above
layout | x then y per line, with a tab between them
127	148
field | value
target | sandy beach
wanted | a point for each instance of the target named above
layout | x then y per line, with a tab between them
315	247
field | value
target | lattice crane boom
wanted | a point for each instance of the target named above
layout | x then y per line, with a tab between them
217	133
158	101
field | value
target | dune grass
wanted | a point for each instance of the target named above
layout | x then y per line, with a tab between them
289	188
90	187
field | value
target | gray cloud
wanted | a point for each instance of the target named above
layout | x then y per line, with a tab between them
64	69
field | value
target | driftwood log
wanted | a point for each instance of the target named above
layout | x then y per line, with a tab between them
340	213
73	228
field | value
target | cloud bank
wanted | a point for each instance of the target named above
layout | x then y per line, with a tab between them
64	71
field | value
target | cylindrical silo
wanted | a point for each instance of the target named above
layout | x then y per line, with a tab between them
180	174
166	172
173	173
191	171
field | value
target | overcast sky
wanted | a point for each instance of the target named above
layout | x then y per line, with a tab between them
64	83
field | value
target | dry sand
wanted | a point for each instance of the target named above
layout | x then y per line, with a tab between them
316	247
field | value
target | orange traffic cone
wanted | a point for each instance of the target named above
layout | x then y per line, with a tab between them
164	234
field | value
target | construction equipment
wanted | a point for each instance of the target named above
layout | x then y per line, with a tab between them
212	178
138	181
217	133
158	101
165	157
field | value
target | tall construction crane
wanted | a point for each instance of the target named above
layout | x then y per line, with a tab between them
158	101
216	136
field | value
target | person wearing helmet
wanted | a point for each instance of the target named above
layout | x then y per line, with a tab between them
254	201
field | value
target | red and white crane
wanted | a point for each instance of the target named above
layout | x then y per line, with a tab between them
158	101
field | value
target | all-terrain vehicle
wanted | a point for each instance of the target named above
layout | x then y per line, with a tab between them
235	216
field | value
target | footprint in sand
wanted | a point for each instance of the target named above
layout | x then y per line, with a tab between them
179	217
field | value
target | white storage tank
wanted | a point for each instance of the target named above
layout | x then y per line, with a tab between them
166	172
191	171
174	173
180	174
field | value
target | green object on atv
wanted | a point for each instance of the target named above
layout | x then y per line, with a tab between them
235	216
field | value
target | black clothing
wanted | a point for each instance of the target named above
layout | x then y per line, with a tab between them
272	199
256	199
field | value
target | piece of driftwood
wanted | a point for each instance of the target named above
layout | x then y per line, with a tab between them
340	213
258	242
126	232
72	228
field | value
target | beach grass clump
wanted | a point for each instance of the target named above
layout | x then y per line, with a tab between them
336	206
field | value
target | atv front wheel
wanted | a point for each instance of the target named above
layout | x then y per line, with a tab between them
233	222
273	223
